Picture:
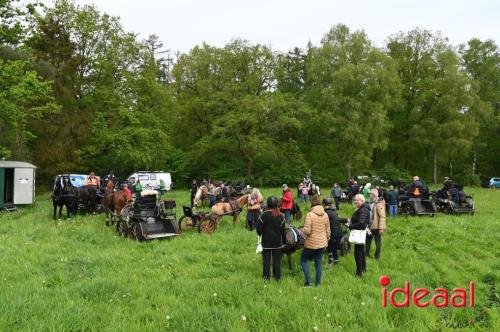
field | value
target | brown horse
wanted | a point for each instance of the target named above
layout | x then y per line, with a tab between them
233	208
113	202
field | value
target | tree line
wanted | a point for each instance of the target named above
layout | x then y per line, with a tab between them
79	93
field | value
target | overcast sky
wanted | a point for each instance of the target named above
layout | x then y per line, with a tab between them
284	24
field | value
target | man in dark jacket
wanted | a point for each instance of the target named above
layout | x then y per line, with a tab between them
335	228
271	226
360	220
392	201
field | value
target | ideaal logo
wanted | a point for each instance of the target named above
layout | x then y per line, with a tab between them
440	296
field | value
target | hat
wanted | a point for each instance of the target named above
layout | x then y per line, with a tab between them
272	202
284	186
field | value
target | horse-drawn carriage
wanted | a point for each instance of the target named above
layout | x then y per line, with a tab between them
453	201
202	221
148	218
411	204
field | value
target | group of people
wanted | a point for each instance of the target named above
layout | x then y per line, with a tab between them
322	231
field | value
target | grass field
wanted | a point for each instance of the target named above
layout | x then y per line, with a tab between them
81	276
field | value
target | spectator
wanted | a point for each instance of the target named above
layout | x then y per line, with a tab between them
317	232
336	194
335	229
360	221
392	201
366	192
304	193
286	203
254	200
378	223
271	227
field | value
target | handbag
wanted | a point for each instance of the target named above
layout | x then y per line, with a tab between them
259	246
357	236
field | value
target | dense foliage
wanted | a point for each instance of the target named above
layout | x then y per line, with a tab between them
78	93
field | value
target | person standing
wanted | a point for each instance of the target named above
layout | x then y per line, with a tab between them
392	201
138	188
360	221
366	192
336	194
194	190
335	229
286	203
378	223
317	233
254	200
271	226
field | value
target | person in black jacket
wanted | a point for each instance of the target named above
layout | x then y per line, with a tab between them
271	226
360	220
336	229
391	199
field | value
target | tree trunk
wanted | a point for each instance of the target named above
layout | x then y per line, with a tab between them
435	165
474	160
349	168
249	169
451	170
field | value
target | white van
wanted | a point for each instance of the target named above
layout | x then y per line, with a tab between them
151	179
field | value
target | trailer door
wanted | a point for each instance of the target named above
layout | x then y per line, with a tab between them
23	186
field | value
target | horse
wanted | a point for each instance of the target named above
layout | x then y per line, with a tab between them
113	202
65	195
201	196
233	208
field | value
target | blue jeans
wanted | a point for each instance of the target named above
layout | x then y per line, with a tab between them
315	255
288	215
393	210
303	197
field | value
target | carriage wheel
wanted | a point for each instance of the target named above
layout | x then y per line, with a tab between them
207	226
121	227
448	210
407	210
136	232
186	223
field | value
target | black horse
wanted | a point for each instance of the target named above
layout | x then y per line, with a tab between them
65	194
88	197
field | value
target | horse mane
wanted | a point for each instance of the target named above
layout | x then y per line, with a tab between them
242	200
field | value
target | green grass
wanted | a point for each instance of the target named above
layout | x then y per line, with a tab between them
81	276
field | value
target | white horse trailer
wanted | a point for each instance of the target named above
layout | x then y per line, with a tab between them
17	184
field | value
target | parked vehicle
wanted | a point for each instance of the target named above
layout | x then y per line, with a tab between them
454	201
421	205
147	218
494	182
152	179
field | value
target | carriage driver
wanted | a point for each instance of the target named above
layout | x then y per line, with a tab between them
92	180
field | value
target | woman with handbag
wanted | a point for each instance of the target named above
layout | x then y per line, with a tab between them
271	227
358	225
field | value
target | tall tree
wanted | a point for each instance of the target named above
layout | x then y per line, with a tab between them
352	85
436	118
481	60
23	97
